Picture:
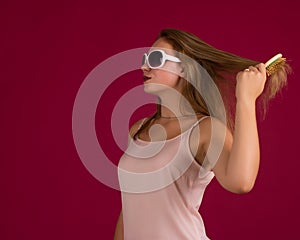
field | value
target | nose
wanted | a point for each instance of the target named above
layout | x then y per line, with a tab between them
145	67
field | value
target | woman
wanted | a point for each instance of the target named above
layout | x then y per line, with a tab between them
191	136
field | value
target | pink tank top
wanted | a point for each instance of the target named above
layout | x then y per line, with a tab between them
162	188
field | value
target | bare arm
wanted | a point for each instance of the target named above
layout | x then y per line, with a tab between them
238	165
237	172
119	232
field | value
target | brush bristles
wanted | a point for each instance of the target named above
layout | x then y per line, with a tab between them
273	67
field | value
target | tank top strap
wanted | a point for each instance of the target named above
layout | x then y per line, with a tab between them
204	172
142	122
199	120
188	132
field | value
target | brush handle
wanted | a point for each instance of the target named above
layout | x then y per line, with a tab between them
273	59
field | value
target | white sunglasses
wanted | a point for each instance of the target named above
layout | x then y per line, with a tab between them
157	58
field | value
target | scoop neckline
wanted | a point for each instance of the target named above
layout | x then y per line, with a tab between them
166	140
173	138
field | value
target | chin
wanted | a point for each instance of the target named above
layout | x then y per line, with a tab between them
154	88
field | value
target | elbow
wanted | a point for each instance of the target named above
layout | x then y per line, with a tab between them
244	188
240	188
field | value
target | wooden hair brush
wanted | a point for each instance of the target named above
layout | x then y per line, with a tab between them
274	63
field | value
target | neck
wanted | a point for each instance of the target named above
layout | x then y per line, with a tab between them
171	106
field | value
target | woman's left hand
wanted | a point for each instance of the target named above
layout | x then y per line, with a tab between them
251	82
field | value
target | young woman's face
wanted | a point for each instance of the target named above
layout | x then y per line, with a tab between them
158	81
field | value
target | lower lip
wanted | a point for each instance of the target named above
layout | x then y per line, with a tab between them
147	80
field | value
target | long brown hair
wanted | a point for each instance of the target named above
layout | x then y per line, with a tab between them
222	68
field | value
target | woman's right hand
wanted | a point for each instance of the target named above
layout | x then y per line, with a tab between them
250	83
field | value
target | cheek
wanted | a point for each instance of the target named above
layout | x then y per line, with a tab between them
172	67
169	79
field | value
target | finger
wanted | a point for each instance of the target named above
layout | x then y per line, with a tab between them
254	69
261	67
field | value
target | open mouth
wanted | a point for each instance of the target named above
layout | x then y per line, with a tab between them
145	78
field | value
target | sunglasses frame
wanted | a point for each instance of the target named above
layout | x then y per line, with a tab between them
165	57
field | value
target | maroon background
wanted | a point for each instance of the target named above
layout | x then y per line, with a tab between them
49	47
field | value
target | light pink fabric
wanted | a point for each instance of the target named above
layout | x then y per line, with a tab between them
172	211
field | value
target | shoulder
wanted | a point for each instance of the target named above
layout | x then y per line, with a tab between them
135	127
211	127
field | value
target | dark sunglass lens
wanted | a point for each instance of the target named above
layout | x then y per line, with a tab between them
155	59
143	59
